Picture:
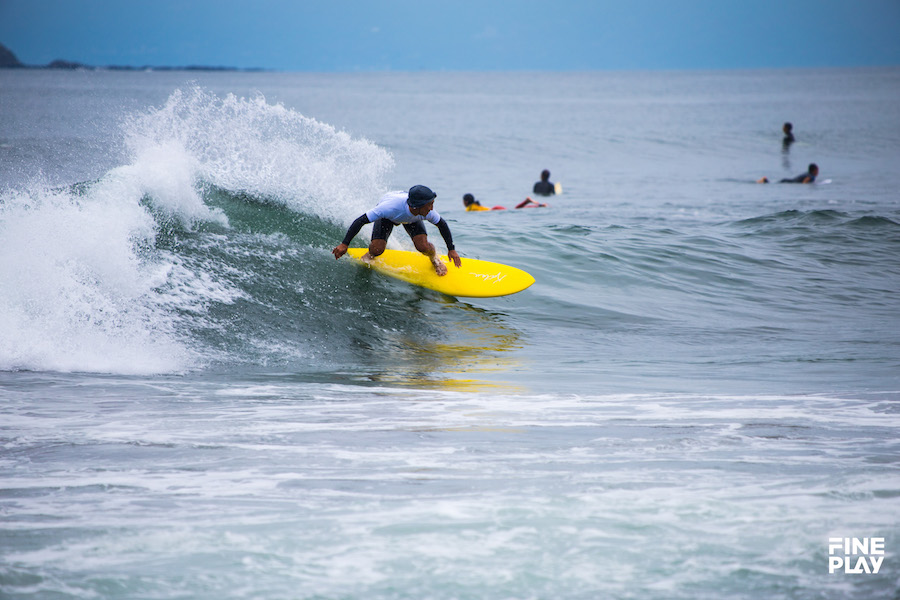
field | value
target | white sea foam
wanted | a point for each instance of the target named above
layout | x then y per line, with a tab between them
338	489
76	294
272	152
167	176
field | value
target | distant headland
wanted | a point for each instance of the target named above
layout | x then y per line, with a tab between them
8	60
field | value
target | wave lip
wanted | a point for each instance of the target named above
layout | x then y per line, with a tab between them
266	150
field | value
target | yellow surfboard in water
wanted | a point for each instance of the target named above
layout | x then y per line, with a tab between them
474	279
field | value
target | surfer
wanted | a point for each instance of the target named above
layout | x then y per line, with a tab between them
473	205
544	187
788	137
808	177
408	209
788	129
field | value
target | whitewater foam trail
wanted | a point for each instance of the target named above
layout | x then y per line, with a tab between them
77	294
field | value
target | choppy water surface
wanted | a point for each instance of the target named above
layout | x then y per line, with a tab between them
699	390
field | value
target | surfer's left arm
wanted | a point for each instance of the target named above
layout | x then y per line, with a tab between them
452	254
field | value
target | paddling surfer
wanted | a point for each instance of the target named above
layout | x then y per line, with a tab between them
473	205
809	177
408	209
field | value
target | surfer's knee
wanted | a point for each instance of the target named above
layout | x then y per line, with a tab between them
423	245
376	247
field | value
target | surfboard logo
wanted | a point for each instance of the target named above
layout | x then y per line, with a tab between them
489	278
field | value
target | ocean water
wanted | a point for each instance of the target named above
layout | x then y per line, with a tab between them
700	390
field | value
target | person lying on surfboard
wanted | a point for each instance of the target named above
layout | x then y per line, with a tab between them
408	209
809	177
473	205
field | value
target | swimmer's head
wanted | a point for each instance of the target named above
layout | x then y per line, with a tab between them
468	199
545	175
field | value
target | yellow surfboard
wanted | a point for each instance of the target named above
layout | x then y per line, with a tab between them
474	279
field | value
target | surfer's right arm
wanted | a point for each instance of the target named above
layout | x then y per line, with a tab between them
341	249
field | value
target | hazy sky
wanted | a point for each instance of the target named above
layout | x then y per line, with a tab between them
405	35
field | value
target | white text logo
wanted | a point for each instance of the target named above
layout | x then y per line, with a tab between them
855	555
495	278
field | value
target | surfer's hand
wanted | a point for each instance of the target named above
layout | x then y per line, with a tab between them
454	256
339	250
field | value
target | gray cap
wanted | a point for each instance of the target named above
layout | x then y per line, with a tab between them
419	195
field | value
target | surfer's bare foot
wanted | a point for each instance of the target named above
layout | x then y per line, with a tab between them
439	266
367	258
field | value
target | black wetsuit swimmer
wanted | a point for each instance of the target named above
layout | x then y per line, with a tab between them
788	137
544	187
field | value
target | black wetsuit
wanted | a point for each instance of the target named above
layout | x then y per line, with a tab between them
786	142
544	188
383	227
800	178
